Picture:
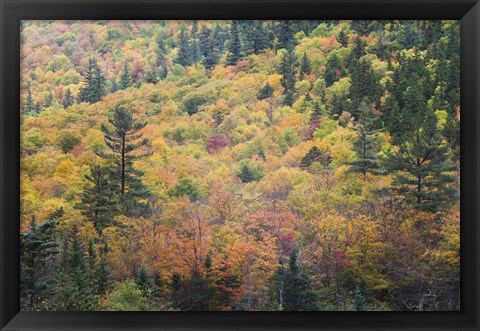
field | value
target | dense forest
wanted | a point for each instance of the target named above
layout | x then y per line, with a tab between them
240	165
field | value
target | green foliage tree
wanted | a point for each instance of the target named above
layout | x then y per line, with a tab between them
98	200
38	251
234	46
126	145
423	172
126	77
186	187
102	278
73	290
288	69
207	48
265	92
366	146
67	141
184	56
305	66
334	69
144	281
29	107
127	297
315	155
249	172
299	293
68	99
255	38
94	87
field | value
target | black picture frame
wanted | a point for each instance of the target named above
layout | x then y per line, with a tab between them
12	11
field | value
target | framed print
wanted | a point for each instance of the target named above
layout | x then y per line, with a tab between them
239	165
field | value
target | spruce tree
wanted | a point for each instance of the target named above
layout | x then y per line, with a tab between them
364	84
38	249
126	78
422	170
358	299
126	145
208	48
184	56
68	99
299	293
246	174
195	51
334	69
144	281
342	38
366	146
29	107
315	155
288	69
305	67
102	278
255	38
234	46
265	92
285	35
94	88
74	290
99	202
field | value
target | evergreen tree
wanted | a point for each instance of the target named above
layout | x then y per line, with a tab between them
99	202
364	84
126	78
334	69
94	88
38	249
423	172
305	67
102	278
124	140
299	294
366	146
29	107
218	117
219	37
316	113
342	38
114	86
184	56
358	299
227	284
408	35
285	35
265	92
207	48
68	99
315	155
235	46
92	255
255	38
144	281
74	292
195	51
288	71
246	174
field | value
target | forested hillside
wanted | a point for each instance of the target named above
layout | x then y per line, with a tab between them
240	165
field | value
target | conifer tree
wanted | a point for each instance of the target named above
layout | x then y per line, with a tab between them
74	292
99	202
363	85
255	38
144	281
208	48
358	299
94	88
285	35
305	67
316	113
38	249
422	170
126	78
184	56
219	37
366	146
68	99
299	294
235	46
195	51
288	69
265	92
246	174
315	155
29	107
102	278
342	38
126	145
334	69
